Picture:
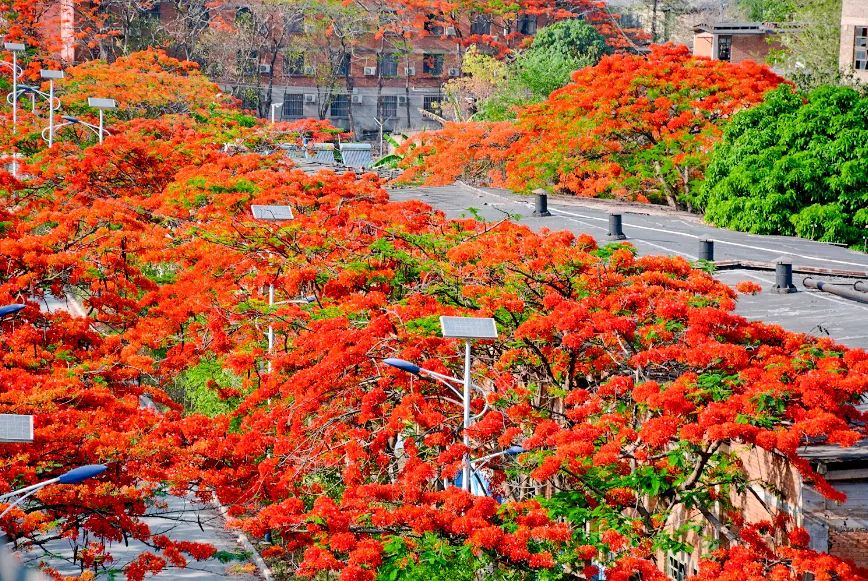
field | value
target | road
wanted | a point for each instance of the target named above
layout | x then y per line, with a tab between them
179	518
654	230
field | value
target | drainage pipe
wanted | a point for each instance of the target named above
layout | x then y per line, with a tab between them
837	290
861	285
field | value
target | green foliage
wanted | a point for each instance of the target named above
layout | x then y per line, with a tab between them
793	165
810	50
547	65
767	10
200	385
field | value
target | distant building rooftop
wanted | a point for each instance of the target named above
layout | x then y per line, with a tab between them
743	27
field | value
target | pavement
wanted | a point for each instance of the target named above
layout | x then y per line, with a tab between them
181	519
656	230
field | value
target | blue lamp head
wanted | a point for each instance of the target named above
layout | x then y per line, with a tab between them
10	309
403	365
69	118
81	473
513	451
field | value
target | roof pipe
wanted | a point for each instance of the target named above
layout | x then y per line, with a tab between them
837	290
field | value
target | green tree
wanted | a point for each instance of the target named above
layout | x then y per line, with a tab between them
547	65
810	49
793	165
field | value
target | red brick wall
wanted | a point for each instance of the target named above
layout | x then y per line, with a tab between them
754	47
850	545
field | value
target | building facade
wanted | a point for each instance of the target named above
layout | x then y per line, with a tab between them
366	81
736	41
853	56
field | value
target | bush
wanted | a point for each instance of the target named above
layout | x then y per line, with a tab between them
794	165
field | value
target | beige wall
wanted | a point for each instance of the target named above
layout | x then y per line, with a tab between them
854	13
703	43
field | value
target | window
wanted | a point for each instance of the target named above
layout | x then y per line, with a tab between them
388	106
480	24
295	23
248	61
293	106
724	48
293	63
860	49
431	103
432	64
342	64
677	568
340	106
153	12
527	24
389	65
433	26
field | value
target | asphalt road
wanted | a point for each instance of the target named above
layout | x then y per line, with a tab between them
655	230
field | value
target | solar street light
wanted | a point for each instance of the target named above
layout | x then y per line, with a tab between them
51	76
467	328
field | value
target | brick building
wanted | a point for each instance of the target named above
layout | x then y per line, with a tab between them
853	56
735	41
378	79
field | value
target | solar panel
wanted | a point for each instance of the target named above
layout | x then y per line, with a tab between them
49	74
16	428
468	327
100	103
271	212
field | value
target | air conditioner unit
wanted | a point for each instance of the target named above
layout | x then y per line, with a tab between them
370	71
357	99
309	71
410	71
264	69
450	31
402	100
310	98
454	72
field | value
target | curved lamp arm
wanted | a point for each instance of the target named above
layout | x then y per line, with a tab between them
73	476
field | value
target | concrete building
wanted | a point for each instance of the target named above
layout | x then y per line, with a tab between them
735	41
853	56
379	79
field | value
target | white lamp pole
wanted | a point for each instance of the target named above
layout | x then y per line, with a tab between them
51	76
101	105
14	48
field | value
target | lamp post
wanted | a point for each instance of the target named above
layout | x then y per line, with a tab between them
274	107
467	328
73	476
271	213
15	48
102	105
51	76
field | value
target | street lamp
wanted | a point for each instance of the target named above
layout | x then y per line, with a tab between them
15	48
273	214
479	485
51	76
467	328
102	105
70	120
10	309
73	476
274	107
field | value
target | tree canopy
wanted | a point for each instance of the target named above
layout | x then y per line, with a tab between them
794	165
629	382
633	127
